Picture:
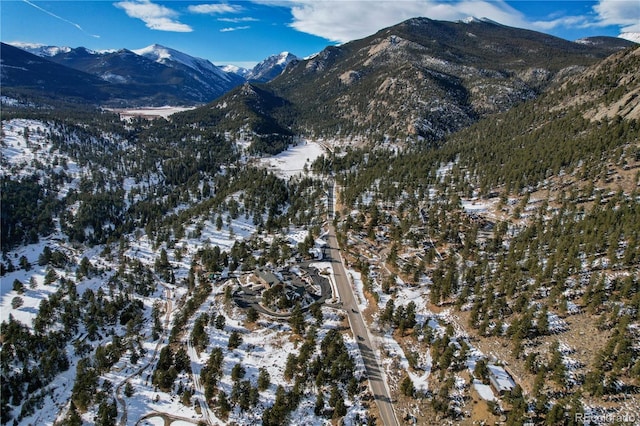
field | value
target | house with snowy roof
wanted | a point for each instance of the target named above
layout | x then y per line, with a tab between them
500	380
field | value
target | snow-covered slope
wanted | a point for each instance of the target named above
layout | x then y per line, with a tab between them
473	19
271	67
149	74
42	50
242	72
171	57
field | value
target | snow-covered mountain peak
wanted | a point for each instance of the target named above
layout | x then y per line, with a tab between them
41	49
271	67
156	52
162	54
284	58
234	69
473	19
45	51
469	20
167	56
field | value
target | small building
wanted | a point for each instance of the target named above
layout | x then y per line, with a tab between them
267	279
500	380
484	391
316	252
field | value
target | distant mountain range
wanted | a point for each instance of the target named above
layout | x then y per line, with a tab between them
155	75
265	70
23	73
420	79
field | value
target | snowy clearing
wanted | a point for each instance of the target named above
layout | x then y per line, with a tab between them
292	161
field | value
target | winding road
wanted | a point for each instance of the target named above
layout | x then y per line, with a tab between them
207	415
121	401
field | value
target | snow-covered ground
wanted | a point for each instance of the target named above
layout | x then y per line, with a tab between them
478	206
484	391
149	112
31	296
23	143
292	161
262	346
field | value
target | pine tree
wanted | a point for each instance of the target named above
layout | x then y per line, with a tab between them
264	379
291	367
128	390
318	408
237	372
235	340
296	321
73	417
223	404
340	409
252	315
406	387
220	322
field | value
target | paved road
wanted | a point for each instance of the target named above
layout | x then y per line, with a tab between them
375	374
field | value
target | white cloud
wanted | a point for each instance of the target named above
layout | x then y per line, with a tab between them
215	9
342	21
622	13
564	22
345	20
236	20
154	16
229	29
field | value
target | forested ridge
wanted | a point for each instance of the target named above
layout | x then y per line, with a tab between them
556	254
88	180
167	163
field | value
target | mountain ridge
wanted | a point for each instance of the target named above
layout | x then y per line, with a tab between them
33	74
169	56
422	79
201	80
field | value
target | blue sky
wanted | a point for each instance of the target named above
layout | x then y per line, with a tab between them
245	32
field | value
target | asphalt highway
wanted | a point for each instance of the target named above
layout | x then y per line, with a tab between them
375	374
